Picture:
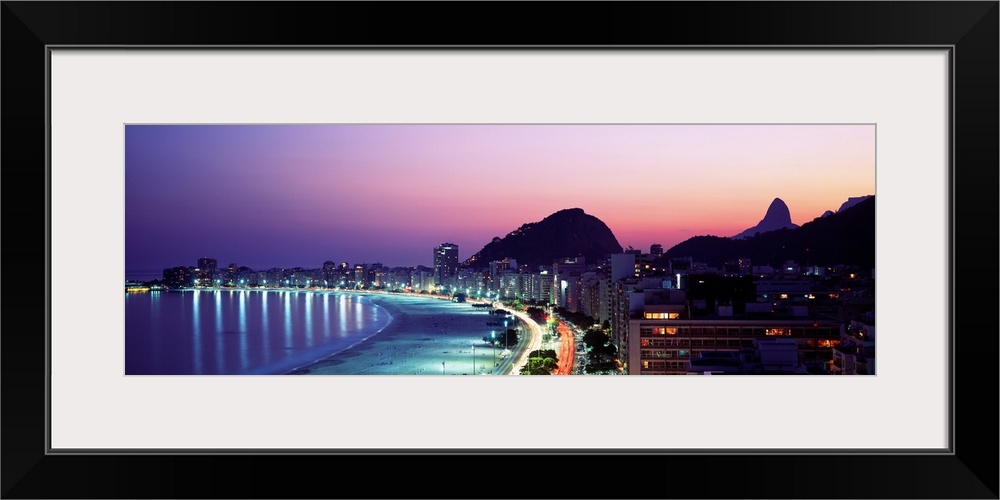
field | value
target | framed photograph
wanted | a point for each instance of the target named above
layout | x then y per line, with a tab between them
215	146
381	197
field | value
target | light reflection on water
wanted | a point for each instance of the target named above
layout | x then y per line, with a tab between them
264	328
220	350
309	326
171	333
286	313
196	328
244	357
342	314
326	316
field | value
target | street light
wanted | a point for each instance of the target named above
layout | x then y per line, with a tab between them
442	368
494	335
473	359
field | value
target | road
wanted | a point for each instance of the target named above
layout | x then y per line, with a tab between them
567	349
519	355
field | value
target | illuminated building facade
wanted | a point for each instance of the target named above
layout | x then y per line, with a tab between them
205	271
661	342
445	264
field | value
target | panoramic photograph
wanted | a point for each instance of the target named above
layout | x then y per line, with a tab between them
522	249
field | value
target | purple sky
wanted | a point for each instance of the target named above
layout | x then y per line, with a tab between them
297	195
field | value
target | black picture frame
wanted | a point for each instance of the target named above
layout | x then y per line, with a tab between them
969	28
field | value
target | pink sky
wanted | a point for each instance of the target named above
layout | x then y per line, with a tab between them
298	195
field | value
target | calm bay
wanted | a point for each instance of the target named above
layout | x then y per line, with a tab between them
241	331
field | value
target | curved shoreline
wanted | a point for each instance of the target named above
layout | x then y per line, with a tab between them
422	337
425	337
392	311
305	368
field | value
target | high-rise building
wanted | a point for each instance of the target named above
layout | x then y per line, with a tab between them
445	263
206	271
655	250
177	277
360	273
329	272
660	343
375	274
622	266
422	279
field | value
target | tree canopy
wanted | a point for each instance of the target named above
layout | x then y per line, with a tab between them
602	355
541	362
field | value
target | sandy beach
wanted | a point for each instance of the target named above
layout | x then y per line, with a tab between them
427	336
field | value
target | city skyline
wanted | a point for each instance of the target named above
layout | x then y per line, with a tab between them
298	195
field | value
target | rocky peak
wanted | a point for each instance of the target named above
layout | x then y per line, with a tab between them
777	217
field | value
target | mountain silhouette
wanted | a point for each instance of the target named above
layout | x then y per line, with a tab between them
777	217
854	200
846	237
566	233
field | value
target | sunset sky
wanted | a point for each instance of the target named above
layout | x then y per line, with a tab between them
297	195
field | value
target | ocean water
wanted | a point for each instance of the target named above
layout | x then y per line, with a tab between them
242	332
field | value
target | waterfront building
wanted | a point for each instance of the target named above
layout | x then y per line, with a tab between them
507	284
360	273
330	273
231	273
346	272
375	275
541	287
422	279
397	278
205	272
257	278
445	264
178	277
524	282
662	340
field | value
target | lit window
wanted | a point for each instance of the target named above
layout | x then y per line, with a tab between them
650	315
